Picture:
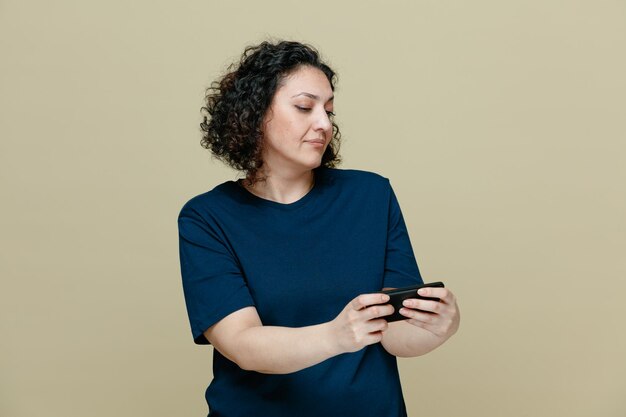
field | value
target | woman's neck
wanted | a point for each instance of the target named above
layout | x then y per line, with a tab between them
284	189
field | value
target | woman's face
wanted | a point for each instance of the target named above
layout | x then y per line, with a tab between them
297	126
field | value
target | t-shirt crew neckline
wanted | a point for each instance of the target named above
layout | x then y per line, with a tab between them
284	206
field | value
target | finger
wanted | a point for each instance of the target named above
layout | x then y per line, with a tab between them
373	338
364	300
425	305
422	325
420	316
378	325
444	294
378	310
438	326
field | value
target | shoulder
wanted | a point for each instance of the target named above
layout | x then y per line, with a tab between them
358	182
355	177
220	197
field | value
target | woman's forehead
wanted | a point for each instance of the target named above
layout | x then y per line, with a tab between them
307	82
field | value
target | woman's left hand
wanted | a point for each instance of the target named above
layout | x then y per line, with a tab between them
441	318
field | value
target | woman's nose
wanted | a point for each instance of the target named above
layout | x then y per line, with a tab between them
322	121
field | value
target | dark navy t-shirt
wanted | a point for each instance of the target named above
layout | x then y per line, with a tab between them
298	264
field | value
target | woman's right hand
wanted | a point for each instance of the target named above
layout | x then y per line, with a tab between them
360	323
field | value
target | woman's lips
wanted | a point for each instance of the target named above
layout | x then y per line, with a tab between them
316	143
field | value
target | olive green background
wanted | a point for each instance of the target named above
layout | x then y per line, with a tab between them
501	124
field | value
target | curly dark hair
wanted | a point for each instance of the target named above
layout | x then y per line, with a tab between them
237	103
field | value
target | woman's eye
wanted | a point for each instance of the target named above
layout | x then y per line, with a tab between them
308	109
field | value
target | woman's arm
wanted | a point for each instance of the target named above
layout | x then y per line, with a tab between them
242	338
424	330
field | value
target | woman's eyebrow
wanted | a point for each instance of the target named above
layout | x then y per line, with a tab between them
313	96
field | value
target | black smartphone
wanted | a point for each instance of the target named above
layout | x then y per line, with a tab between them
397	296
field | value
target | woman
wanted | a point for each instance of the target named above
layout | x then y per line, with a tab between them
282	270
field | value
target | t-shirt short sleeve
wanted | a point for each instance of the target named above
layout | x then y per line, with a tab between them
213	283
401	268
